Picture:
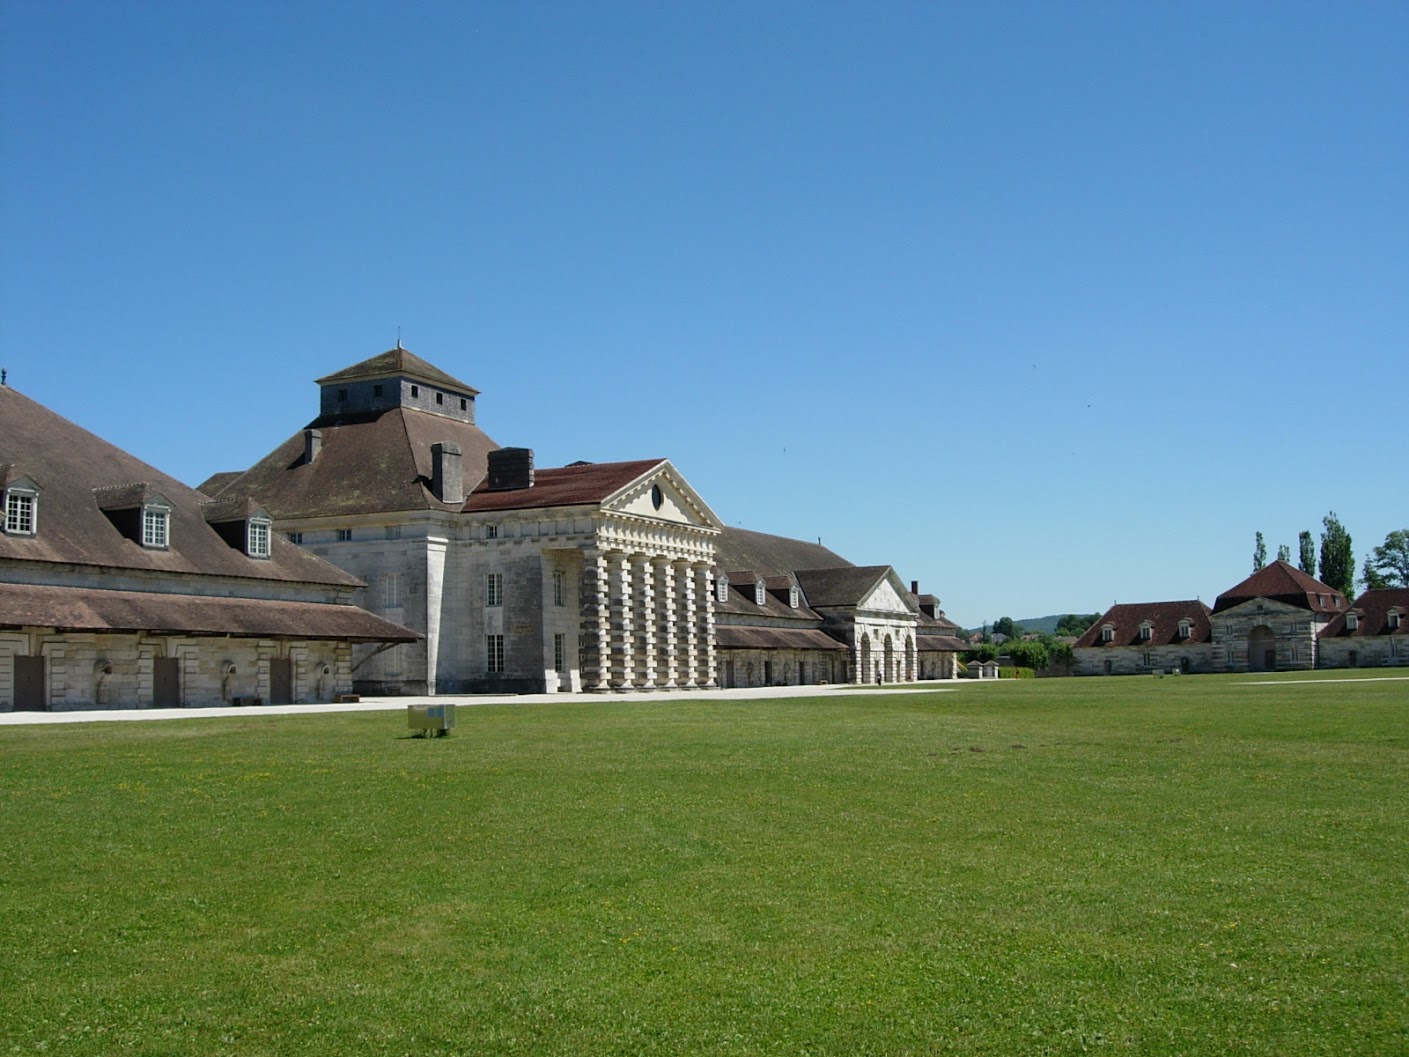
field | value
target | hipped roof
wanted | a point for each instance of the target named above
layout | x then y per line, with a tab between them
398	363
1283	582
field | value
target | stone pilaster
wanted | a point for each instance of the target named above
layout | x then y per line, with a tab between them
688	633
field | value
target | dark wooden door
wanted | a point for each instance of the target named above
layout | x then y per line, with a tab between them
30	695
166	683
281	682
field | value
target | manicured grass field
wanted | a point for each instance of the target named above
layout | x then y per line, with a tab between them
1177	866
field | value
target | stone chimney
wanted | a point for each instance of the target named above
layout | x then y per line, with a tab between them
914	587
510	469
447	476
312	444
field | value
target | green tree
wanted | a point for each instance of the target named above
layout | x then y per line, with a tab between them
1032	655
1308	553
1259	554
1284	553
1076	623
1337	559
1388	564
1005	626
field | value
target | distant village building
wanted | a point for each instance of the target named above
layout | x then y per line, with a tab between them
1278	619
122	587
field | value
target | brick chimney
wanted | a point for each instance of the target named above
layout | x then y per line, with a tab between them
447	477
510	469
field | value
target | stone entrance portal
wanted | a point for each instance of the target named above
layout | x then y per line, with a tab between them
1262	649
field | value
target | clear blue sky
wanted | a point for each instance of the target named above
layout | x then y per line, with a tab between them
1045	304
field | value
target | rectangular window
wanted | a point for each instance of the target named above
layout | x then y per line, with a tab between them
259	539
344	535
154	528
393	532
494	589
491	532
440	398
463	404
294	537
391	590
376	390
415	390
558	588
560	646
494	653
19	514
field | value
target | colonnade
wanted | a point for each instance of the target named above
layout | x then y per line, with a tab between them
647	622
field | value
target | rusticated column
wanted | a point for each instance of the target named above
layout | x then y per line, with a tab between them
708	675
688	631
594	645
667	658
644	608
623	625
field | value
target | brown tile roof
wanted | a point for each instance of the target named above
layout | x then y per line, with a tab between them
940	644
1372	608
394	363
737	548
1283	582
371	463
564	486
775	603
75	468
217	482
753	637
1164	618
82	609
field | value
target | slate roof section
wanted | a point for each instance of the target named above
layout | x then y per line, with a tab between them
1283	582
1164	618
398	363
1372	610
81	609
371	463
940	644
753	637
832	588
218	482
775	601
737	548
578	485
75	467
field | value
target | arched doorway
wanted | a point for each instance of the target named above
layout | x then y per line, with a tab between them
1262	649
864	676
889	660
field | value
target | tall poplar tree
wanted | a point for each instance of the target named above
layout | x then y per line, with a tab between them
1337	560
1284	553
1308	553
1259	554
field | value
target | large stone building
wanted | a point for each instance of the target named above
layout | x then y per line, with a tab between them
1278	619
612	576
120	586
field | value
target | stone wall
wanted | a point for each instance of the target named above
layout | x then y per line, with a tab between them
1367	651
1194	658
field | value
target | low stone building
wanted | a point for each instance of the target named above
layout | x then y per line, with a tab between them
122	587
1278	619
1372	633
1140	637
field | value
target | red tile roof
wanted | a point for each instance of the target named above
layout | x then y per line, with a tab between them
1283	582
578	485
1164	620
1372	610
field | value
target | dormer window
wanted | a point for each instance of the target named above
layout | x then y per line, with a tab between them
1393	620
759	594
722	588
1108	634
792	597
156	526
1352	622
1184	629
257	537
1321	601
1146	630
21	510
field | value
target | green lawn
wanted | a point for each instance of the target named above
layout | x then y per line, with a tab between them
1175	866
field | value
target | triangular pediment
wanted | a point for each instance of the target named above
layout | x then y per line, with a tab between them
1253	606
662	494
889	595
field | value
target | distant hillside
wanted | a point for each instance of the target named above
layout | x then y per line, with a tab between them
1036	625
